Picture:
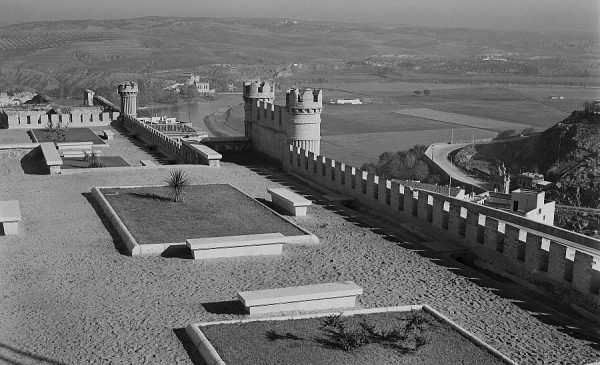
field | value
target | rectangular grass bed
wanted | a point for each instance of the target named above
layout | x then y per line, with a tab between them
71	135
81	163
213	210
397	337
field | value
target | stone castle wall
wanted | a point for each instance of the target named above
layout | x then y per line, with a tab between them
556	261
38	119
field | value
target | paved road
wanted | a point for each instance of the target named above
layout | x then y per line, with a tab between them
438	153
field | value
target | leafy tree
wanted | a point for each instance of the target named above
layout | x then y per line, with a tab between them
417	92
426	92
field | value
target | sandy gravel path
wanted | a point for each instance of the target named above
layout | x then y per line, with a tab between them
68	295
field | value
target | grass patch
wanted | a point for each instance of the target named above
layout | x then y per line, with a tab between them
379	338
208	211
81	163
71	135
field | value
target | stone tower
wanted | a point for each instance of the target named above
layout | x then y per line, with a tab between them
500	180
88	97
254	91
304	107
128	91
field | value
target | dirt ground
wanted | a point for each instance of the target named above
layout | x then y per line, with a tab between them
69	296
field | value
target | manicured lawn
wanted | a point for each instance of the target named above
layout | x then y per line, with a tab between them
208	211
71	135
108	161
305	341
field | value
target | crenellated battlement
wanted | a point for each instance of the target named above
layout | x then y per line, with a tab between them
303	100
128	88
258	90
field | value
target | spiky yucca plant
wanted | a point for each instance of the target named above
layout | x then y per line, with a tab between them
177	181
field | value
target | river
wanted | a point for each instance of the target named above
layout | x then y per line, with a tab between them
197	112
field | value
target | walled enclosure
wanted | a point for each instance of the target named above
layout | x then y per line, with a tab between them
39	119
557	261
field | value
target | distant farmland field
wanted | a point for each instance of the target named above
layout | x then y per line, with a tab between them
356	149
461	119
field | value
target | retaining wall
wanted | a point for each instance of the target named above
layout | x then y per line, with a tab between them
560	262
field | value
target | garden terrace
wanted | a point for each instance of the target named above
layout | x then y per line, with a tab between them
71	135
212	210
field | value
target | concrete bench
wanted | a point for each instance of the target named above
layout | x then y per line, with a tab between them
75	149
147	163
10	216
293	203
51	157
231	246
308	297
108	134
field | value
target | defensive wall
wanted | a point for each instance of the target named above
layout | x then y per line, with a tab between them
182	152
545	258
39	119
272	127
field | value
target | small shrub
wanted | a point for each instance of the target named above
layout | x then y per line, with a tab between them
507	133
426	92
331	321
94	160
177	181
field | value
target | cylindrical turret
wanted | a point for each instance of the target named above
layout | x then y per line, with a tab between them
88	97
254	91
304	108
128	91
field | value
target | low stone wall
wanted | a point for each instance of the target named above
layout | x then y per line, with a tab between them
228	144
557	261
162	142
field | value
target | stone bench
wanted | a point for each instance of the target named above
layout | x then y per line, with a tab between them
75	149
231	246
10	216
51	157
147	163
291	202
108	134
307	297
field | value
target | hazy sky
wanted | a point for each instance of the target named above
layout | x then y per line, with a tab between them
495	14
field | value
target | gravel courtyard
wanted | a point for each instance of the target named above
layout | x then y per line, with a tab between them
69	296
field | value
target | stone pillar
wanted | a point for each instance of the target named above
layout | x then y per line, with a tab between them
88	98
350	180
533	252
557	262
511	242
455	221
383	186
329	173
472	227
492	236
408	200
395	197
583	272
422	205
340	177
438	213
372	182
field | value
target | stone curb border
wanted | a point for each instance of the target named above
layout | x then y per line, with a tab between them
126	168
15	146
132	246
156	249
211	357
